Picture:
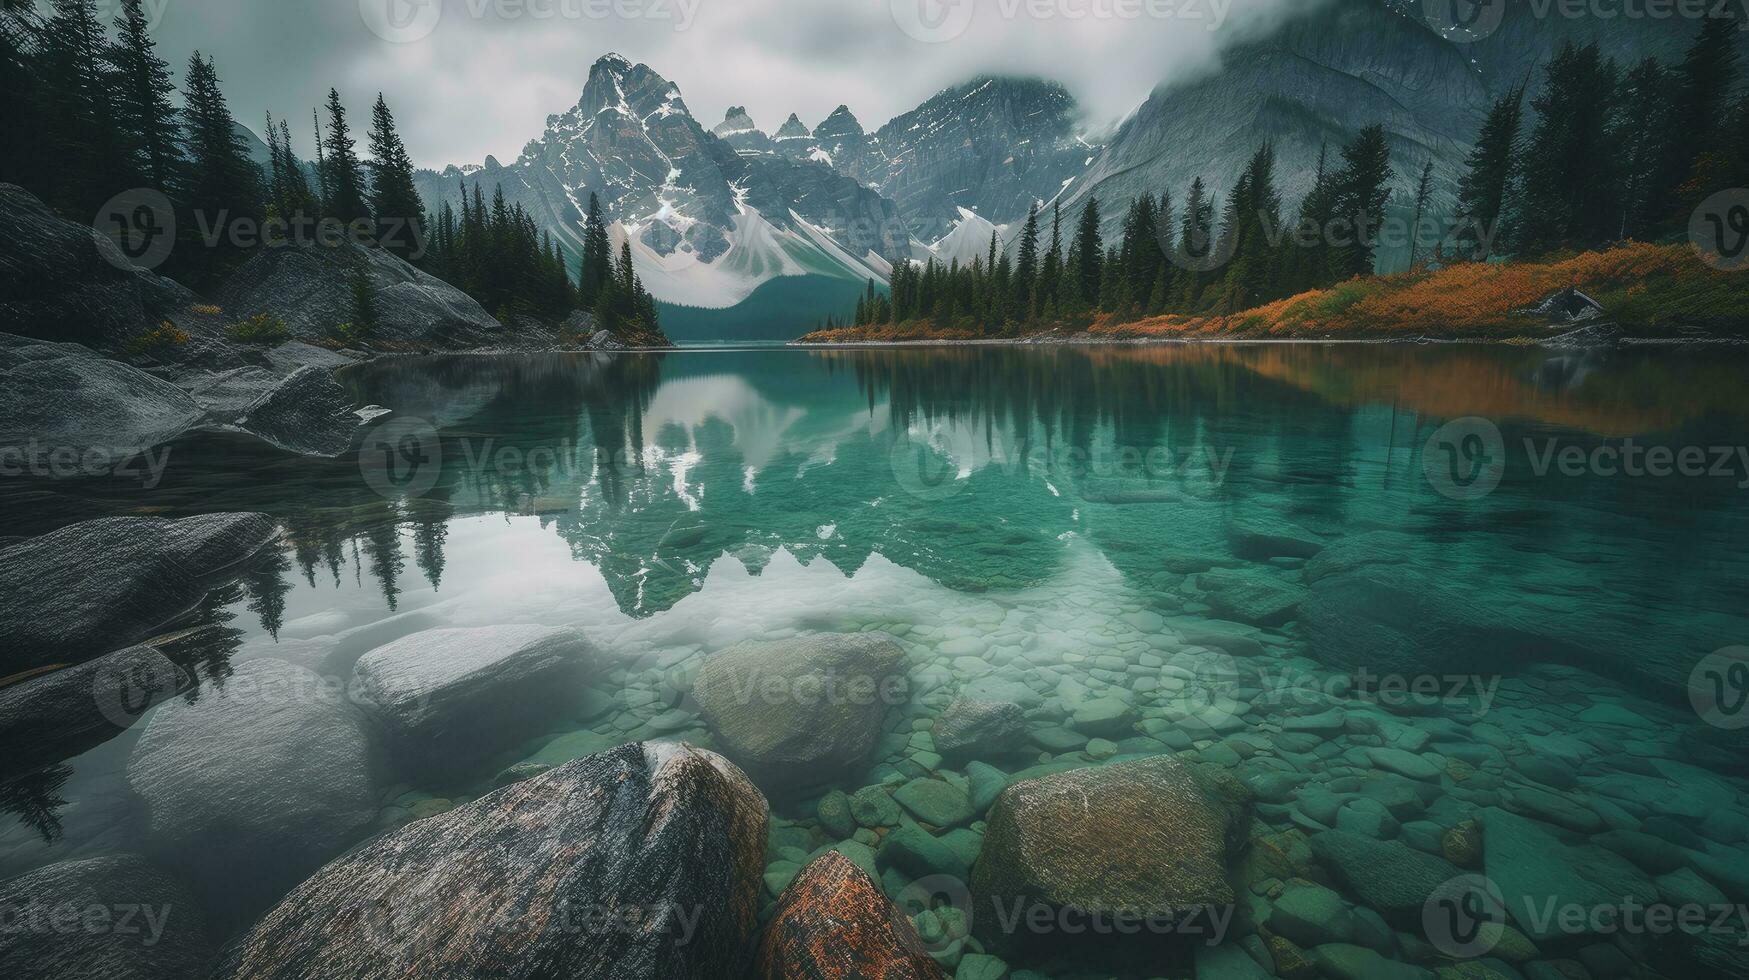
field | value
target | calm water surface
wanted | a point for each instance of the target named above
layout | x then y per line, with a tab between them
1045	517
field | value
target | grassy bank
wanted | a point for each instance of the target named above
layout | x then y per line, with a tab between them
1648	290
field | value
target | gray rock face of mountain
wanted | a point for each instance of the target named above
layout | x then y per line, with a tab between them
632	141
992	145
310	288
849	149
738	130
794	140
60	279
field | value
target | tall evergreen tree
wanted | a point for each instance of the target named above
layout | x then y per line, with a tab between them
342	173
1091	251
1195	243
1569	184
20	159
1361	192
144	117
1490	173
597	263
1051	272
1026	263
1644	137
88	163
1249	230
222	184
1423	197
400	215
1701	102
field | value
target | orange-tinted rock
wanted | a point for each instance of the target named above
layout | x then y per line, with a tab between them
833	923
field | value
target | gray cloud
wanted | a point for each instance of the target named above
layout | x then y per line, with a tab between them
486	75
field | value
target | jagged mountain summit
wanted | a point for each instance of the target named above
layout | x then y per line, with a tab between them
707	224
738	130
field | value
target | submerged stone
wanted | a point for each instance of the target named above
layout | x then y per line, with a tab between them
610	857
833	923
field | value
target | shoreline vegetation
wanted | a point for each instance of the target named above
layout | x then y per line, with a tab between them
1645	291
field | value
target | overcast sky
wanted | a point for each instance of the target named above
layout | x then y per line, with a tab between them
471	77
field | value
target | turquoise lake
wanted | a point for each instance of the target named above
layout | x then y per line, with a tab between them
1391	589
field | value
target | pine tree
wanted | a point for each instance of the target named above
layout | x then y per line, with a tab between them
1091	251
1026	265
1701	103
342	173
88	163
1423	196
400	214
1569	184
1195	244
20	159
1491	171
222	184
144	116
597	261
1361	192
1051	273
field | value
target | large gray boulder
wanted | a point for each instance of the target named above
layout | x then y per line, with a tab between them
258	782
64	281
61	399
972	728
310	288
62	714
794	712
129	921
639	863
465	692
1150	839
1536	871
308	413
100	585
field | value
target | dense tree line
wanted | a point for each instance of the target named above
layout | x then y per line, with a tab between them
498	255
1611	156
103	110
1166	260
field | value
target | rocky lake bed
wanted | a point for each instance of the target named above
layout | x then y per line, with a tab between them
1025	730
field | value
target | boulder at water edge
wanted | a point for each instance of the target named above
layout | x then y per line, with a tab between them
98	586
255	784
62	714
1146	839
116	917
640	862
794	712
312	288
450	693
833	923
61	402
61	279
307	413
